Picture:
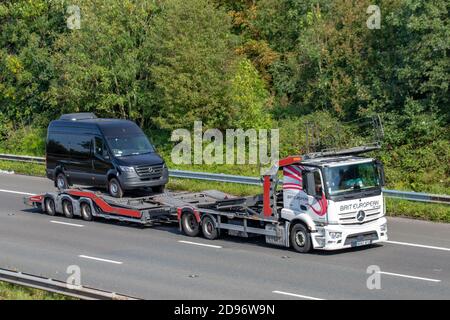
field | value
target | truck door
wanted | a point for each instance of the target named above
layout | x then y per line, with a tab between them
294	196
317	203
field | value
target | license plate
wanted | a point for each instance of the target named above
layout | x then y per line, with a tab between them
363	243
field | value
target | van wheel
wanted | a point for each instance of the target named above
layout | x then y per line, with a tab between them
50	206
61	181
190	224
300	238
114	188
209	229
86	211
67	208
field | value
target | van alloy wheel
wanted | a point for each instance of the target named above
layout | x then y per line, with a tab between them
61	181
115	188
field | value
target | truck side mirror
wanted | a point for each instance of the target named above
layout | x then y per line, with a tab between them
380	169
310	184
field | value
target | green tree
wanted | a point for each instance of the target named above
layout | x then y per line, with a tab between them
28	30
190	45
249	98
103	66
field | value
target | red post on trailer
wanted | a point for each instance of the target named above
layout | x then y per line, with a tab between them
267	184
267	208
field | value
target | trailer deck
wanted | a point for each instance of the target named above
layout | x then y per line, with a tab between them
208	211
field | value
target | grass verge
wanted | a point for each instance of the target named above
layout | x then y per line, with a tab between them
394	207
15	292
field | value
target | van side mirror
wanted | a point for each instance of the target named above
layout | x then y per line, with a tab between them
106	155
380	169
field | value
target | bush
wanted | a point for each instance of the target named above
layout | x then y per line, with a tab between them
26	141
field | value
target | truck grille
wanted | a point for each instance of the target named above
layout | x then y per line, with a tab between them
350	218
149	171
372	236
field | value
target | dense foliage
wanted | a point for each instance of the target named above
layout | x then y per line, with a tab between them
235	63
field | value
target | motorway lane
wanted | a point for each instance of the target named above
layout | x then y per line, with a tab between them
155	265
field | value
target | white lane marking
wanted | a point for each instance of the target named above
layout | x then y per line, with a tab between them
17	192
200	244
67	224
418	245
407	276
296	295
100	259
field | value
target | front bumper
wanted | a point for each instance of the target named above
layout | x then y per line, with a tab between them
131	181
351	235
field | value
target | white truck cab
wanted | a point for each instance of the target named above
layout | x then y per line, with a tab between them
339	199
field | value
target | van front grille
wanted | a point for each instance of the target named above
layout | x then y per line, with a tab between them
149	171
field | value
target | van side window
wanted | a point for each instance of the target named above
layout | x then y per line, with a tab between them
80	146
98	146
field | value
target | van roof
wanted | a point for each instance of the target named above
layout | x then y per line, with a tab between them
109	127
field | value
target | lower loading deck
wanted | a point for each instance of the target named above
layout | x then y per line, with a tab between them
207	211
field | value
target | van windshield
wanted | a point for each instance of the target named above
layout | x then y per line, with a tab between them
130	145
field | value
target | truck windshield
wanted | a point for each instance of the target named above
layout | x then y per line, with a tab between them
354	177
130	145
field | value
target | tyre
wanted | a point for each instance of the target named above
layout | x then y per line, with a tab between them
209	229
190	224
159	189
50	206
67	207
86	211
61	181
114	188
300	238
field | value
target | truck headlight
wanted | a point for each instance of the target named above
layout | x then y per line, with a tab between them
335	235
127	169
383	227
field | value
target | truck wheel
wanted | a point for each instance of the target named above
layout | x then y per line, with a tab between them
115	188
86	211
67	208
209	229
190	225
50	206
61	181
300	238
158	189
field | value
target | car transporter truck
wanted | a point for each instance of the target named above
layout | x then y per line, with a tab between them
327	200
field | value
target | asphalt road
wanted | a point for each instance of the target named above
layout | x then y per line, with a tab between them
154	263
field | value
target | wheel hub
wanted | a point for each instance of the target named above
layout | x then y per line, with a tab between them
300	239
61	183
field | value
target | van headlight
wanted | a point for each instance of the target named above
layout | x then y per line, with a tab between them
127	169
335	235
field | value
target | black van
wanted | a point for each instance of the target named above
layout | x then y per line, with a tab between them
83	149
